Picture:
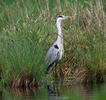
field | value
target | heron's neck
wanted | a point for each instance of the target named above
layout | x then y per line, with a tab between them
60	34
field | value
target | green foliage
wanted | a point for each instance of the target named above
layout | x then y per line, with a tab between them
26	32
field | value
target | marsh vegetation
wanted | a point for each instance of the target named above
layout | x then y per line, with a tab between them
28	29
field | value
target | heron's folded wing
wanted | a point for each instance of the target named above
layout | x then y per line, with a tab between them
52	55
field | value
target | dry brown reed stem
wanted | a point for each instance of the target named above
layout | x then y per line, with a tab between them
66	4
59	6
26	10
105	29
10	19
39	9
9	16
47	6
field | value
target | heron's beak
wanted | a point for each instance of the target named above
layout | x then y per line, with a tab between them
68	17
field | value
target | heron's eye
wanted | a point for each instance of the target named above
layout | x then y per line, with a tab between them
60	16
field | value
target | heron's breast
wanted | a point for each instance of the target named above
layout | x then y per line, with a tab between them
61	50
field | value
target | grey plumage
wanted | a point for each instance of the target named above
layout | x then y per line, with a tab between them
52	58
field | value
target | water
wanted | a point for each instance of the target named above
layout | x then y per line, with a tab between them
56	92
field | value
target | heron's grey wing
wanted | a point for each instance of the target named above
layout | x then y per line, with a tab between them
52	55
52	58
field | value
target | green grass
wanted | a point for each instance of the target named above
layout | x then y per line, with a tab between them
26	33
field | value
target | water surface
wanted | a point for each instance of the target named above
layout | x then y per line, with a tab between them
56	92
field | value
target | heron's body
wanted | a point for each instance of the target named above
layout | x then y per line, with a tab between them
56	51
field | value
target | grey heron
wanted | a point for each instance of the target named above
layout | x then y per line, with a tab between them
56	51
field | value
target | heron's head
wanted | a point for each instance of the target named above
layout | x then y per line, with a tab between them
62	17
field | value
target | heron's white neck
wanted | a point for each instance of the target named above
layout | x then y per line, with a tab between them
60	34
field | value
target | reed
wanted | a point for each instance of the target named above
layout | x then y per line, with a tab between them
26	34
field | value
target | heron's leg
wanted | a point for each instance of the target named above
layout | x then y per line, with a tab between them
55	68
55	73
61	75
